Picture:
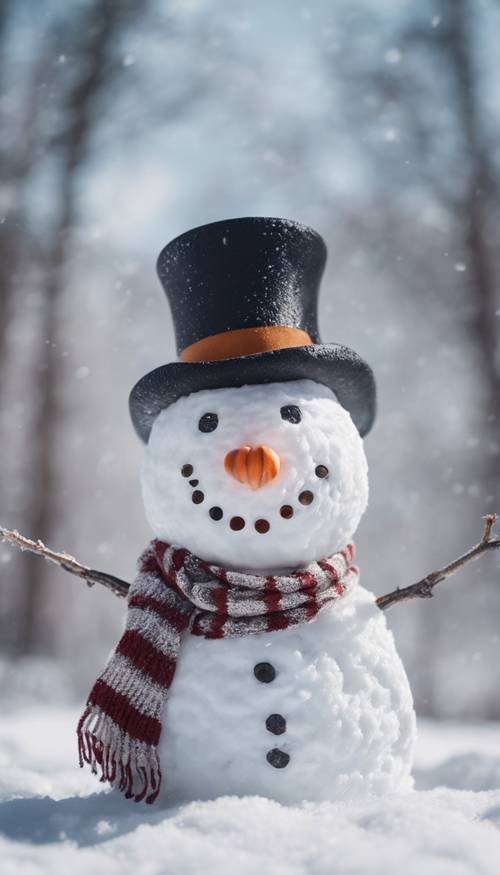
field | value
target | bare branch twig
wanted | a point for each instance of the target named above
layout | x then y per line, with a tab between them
69	563
424	588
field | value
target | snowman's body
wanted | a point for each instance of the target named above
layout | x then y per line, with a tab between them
318	711
339	692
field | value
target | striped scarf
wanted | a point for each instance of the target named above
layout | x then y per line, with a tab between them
175	592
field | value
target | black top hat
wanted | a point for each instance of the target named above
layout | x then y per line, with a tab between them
243	295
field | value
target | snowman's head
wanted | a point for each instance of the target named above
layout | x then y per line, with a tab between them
266	477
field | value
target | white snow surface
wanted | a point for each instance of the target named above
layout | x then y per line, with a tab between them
341	688
250	416
52	820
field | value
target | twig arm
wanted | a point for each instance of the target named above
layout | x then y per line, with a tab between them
424	588
69	563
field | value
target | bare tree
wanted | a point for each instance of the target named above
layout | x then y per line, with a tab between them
419	81
94	36
82	52
482	185
4	227
20	109
475	191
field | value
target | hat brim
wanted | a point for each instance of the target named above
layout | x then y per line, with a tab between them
333	365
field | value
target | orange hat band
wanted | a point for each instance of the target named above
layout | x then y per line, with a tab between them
244	341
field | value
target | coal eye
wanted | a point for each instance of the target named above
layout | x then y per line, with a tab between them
291	413
208	422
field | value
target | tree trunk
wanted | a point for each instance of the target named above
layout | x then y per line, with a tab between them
481	183
4	230
481	187
93	54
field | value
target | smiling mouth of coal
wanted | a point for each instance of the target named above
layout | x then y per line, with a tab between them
237	523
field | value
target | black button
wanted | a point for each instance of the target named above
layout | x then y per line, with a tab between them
277	758
276	724
264	672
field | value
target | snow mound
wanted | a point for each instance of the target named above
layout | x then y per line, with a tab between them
468	771
52	820
439	833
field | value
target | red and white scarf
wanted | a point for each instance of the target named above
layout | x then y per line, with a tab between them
175	592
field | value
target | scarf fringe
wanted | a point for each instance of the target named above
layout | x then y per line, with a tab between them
133	766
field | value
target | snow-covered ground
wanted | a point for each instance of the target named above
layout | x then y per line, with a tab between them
54	818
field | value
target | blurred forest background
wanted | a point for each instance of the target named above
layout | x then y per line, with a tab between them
125	123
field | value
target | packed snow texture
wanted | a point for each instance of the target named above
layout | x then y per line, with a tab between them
341	688
53	821
339	684
250	416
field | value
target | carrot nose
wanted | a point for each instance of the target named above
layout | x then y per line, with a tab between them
254	466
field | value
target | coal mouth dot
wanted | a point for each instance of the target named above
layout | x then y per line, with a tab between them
237	523
306	497
321	471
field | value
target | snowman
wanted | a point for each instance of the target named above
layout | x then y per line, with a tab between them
252	661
